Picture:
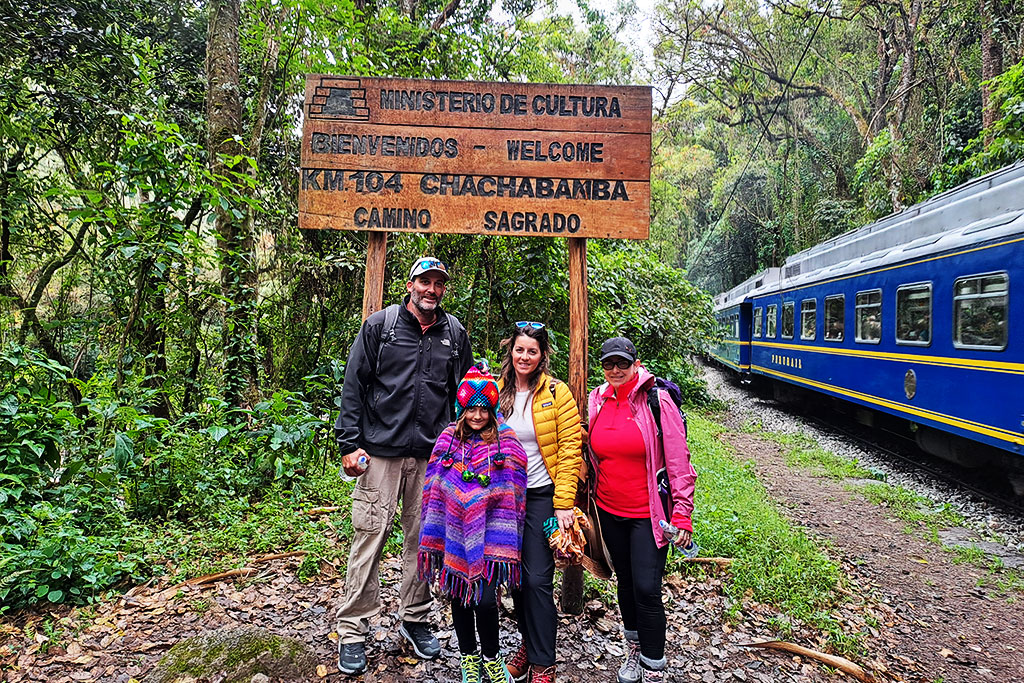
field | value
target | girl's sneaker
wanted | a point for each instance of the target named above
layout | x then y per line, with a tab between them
471	668
495	670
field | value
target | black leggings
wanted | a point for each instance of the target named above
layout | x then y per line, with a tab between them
485	613
534	601
639	564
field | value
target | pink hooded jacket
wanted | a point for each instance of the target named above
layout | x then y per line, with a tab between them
674	457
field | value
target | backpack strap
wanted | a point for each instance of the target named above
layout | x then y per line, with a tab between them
455	331
655	405
387	333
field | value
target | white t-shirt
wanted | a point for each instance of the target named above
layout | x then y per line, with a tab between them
521	421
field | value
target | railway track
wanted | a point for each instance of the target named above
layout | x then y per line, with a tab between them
921	461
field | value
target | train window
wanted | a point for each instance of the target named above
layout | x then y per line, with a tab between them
835	309
979	312
869	316
772	318
757	321
787	319
736	326
914	314
808	318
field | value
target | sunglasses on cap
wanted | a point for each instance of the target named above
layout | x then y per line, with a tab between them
431	264
621	363
530	323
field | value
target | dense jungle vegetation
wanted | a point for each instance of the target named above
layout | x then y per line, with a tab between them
171	344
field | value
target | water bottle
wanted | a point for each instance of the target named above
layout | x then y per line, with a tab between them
689	551
363	462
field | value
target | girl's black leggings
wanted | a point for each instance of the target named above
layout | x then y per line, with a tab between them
639	564
485	614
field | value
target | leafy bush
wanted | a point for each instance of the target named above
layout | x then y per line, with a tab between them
998	145
35	424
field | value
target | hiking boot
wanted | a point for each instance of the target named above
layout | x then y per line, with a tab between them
519	665
651	676
629	672
542	674
496	671
351	658
422	639
471	668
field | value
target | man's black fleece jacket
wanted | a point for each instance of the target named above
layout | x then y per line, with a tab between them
398	409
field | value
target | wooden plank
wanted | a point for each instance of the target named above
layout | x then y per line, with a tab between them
373	282
412	209
519	106
571	600
477	151
578	321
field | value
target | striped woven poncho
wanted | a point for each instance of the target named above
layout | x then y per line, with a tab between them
471	534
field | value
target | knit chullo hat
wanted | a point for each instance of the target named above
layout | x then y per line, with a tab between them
477	388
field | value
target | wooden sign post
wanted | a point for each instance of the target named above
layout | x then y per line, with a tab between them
398	155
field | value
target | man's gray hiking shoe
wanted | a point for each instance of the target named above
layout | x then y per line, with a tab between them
422	639
351	658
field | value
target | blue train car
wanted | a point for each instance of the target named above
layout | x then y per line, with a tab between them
733	314
919	315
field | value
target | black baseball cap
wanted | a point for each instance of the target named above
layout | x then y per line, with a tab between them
618	346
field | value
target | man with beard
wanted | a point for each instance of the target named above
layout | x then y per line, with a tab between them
399	393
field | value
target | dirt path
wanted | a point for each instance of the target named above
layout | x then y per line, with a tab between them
939	625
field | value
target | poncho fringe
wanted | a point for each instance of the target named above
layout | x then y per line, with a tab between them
431	568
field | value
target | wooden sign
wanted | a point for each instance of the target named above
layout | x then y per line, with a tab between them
385	154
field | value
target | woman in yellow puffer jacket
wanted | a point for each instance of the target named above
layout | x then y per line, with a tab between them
543	413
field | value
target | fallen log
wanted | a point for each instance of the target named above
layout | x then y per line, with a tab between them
841	663
213	578
722	562
281	556
313	512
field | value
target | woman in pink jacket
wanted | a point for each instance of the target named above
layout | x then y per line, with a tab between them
627	454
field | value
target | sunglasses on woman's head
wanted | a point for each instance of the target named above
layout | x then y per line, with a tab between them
620	363
529	323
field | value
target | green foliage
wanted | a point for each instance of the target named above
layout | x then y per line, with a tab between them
999	145
634	294
34	425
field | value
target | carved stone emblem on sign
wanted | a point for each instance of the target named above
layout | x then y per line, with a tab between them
340	99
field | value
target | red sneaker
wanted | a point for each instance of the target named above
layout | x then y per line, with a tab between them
545	675
519	665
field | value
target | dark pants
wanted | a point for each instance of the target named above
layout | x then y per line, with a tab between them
485	614
535	602
639	564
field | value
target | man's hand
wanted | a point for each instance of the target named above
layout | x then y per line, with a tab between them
565	519
350	462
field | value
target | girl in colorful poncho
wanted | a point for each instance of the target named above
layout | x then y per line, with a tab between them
474	502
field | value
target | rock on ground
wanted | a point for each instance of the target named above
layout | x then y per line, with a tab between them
245	654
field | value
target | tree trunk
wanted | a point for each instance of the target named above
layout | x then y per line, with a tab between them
234	232
991	66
